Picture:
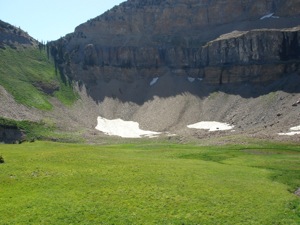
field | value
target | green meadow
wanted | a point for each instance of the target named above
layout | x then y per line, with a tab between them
30	70
149	183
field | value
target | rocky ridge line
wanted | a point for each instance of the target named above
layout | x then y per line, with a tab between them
218	41
14	37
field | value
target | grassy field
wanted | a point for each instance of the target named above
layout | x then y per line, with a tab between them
149	183
29	69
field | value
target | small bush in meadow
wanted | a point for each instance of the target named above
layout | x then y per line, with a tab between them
1	159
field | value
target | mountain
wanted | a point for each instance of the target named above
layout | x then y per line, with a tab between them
168	64
29	85
213	40
13	36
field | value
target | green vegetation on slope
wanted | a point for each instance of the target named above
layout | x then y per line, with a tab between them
148	183
33	130
30	77
42	130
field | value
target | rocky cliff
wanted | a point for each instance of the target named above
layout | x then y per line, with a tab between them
218	41
11	134
256	56
13	36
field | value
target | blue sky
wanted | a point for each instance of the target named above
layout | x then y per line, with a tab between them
47	20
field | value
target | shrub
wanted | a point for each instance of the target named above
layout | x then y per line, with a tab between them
1	159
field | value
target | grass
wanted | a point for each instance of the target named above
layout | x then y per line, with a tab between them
42	130
149	183
33	130
24	70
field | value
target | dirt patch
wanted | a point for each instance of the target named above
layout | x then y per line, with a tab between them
297	192
13	110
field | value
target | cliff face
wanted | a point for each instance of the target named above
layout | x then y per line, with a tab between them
255	56
9	134
219	41
169	17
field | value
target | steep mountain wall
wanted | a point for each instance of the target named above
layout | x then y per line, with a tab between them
143	38
170	17
256	56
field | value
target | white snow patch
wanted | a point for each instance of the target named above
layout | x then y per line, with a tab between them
270	15
297	128
289	133
191	79
267	16
294	131
125	129
154	80
211	126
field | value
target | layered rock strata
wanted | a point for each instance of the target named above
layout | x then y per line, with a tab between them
218	41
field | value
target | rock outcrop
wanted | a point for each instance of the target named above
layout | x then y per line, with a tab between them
218	41
11	134
13	36
255	56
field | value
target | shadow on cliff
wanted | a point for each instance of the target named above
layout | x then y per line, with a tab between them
142	90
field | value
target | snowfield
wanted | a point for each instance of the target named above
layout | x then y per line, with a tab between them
211	126
131	129
124	129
